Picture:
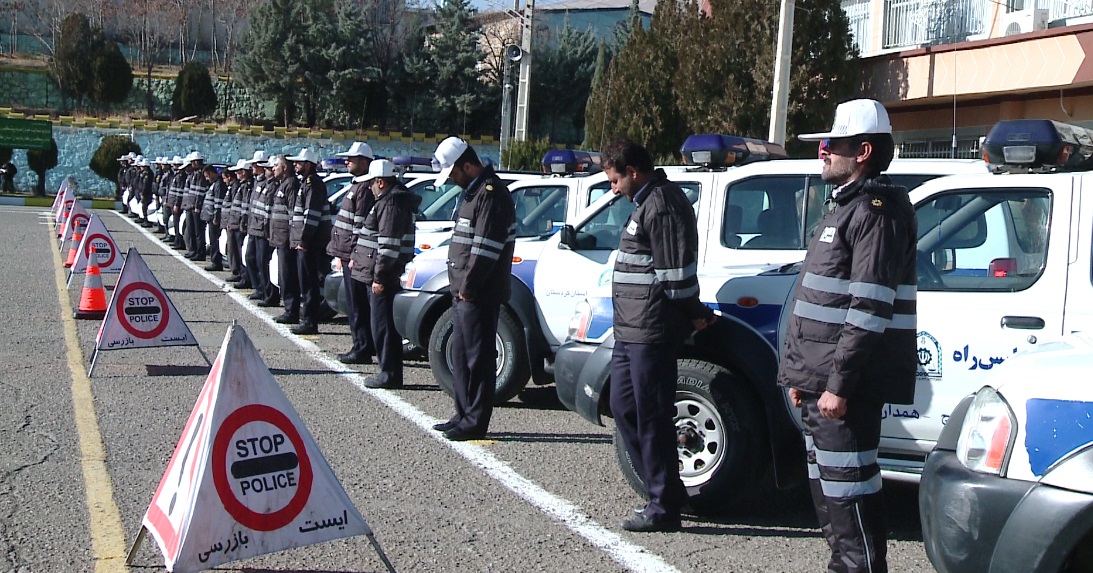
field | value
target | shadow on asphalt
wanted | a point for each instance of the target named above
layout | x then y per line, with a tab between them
789	513
541	438
157	370
536	398
193	290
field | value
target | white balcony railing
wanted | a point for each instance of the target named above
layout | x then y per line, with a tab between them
924	22
860	14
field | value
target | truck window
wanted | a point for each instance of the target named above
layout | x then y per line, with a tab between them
540	210
690	188
983	240
766	212
603	231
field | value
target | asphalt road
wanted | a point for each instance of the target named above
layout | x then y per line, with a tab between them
543	493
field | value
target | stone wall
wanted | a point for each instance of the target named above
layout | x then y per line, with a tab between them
76	145
34	89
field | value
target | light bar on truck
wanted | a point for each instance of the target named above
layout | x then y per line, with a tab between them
568	162
1038	145
716	151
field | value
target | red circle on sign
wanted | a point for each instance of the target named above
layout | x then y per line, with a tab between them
164	316
113	251
79	220
244	515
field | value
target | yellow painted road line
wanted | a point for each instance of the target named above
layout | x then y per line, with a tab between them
107	531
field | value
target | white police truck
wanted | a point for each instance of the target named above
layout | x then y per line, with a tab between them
734	424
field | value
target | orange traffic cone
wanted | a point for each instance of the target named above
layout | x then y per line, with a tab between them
77	238
93	297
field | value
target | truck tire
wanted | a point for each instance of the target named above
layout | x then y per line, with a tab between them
722	438
513	365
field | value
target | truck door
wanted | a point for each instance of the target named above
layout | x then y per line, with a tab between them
991	282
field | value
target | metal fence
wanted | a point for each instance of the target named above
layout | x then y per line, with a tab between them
1058	9
923	22
860	14
938	149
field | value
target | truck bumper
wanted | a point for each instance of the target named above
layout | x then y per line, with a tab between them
581	373
410	309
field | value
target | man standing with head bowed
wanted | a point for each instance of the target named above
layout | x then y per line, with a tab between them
479	268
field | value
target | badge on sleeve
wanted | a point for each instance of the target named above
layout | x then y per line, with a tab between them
632	228
489	187
828	235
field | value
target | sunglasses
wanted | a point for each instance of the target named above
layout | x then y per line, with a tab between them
829	145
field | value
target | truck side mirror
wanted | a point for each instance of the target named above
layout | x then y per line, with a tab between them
568	238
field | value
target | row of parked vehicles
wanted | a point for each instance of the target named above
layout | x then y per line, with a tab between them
1005	267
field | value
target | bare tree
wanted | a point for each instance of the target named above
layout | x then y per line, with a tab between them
147	26
231	14
44	18
14	9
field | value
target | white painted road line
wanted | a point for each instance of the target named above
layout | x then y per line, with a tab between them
633	557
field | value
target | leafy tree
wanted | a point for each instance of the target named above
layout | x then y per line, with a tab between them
410	84
194	93
592	113
313	58
40	161
454	56
638	100
266	63
352	71
104	162
561	76
526	155
112	78
74	52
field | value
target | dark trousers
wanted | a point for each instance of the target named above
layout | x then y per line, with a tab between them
252	258
358	310
215	256
289	279
176	218
643	391
310	263
388	340
194	232
235	252
474	363
846	484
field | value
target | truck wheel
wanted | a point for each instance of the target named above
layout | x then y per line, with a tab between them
513	365
721	437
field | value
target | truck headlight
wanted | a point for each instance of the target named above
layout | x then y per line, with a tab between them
408	276
987	433
578	325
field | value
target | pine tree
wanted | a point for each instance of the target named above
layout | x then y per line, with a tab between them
352	71
595	112
453	48
74	52
561	80
267	64
194	94
112	77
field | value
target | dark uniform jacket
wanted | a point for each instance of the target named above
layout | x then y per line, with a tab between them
356	204
311	215
852	330
237	204
196	186
480	256
143	186
214	201
387	237
260	215
283	202
654	286
178	187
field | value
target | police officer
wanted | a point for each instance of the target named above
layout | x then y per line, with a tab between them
123	180
192	201
479	265
386	245
212	210
236	221
356	204
850	344
142	189
260	229
654	289
280	231
310	235
177	194
159	190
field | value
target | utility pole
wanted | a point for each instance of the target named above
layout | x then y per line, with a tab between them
512	54
780	98
523	87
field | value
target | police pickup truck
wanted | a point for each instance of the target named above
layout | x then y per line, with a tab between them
734	424
543	204
553	271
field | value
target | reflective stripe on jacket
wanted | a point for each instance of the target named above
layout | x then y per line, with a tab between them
853	325
343	234
480	256
654	286
387	238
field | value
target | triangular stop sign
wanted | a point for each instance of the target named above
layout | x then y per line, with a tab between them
246	477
